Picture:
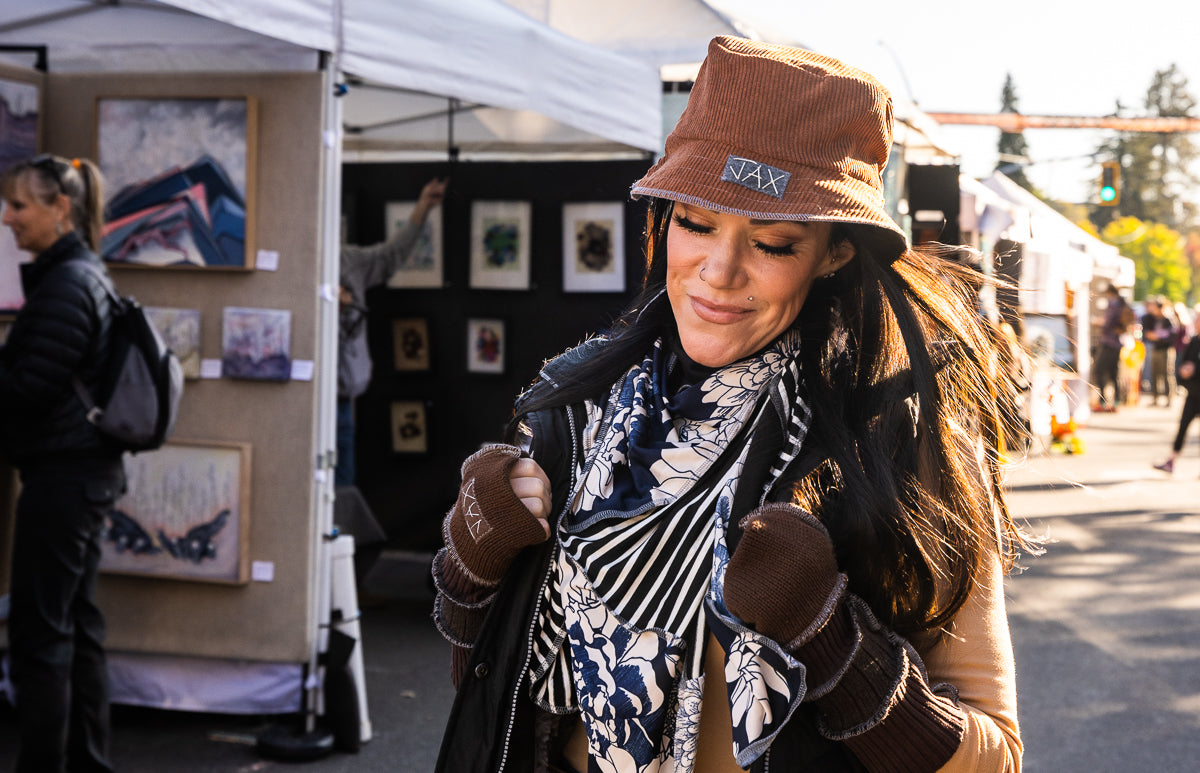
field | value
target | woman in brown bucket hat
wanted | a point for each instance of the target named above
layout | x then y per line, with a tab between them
759	523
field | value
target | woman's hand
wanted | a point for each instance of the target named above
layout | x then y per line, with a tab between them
783	578
532	487
502	508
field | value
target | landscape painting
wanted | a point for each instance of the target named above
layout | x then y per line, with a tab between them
181	173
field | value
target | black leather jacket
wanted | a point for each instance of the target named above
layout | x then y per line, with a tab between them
491	727
62	331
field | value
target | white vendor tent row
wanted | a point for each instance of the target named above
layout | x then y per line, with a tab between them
505	65
1058	258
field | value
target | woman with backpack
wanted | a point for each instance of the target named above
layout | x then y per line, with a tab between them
70	474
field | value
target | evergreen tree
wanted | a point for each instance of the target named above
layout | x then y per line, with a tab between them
1156	179
1012	147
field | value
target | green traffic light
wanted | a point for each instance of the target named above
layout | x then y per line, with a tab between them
1108	193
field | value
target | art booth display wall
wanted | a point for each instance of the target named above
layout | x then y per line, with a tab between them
214	202
526	259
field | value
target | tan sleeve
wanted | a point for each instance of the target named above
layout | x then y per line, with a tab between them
977	658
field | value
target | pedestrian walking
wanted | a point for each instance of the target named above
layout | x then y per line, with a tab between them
759	523
70	474
1188	376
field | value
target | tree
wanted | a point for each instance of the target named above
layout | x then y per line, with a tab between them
1012	148
1156	176
1159	261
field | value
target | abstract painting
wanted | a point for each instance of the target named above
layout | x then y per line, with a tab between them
256	344
185	514
422	267
18	140
593	248
500	245
485	345
180	329
181	175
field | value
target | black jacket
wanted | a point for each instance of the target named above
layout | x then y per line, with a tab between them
491	727
61	332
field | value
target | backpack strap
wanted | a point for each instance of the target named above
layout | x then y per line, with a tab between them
94	412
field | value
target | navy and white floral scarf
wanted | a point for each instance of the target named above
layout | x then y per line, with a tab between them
640	561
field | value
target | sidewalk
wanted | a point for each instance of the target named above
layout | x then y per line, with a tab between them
1105	624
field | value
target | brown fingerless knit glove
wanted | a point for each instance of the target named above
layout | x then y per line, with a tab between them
783	578
488	526
868	684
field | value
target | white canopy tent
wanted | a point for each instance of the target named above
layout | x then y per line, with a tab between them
477	52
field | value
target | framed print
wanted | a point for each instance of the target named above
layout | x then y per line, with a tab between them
500	245
180	172
410	338
180	329
19	106
485	345
256	344
410	430
185	515
593	248
423	265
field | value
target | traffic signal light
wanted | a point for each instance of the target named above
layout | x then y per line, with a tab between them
1110	184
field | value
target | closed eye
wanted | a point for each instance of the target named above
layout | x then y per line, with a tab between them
690	225
786	249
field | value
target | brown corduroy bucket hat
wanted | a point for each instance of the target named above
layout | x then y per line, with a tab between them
784	133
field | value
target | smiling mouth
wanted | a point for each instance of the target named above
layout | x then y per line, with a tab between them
717	313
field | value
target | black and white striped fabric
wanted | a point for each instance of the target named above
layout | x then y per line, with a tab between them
644	537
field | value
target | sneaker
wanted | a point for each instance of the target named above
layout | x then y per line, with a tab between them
1167	466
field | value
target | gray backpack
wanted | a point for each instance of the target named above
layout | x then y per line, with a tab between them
142	381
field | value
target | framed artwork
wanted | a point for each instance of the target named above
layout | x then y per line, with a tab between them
180	172
19	106
593	248
410	338
185	515
423	266
486	345
256	344
410	428
500	245
180	329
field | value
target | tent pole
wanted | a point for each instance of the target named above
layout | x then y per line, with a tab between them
331	203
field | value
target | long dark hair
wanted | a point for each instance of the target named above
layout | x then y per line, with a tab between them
900	462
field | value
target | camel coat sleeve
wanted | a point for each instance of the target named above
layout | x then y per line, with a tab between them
977	658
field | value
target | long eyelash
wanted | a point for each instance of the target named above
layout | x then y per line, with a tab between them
689	225
787	249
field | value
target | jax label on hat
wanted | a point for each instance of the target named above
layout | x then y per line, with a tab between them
756	176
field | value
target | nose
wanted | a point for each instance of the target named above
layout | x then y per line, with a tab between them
723	266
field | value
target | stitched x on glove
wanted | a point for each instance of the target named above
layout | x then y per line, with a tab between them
488	526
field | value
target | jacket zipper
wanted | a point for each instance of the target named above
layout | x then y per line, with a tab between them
537	608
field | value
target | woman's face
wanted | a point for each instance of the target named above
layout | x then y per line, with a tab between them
735	283
33	221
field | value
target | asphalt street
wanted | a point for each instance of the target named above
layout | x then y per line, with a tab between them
1105	625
